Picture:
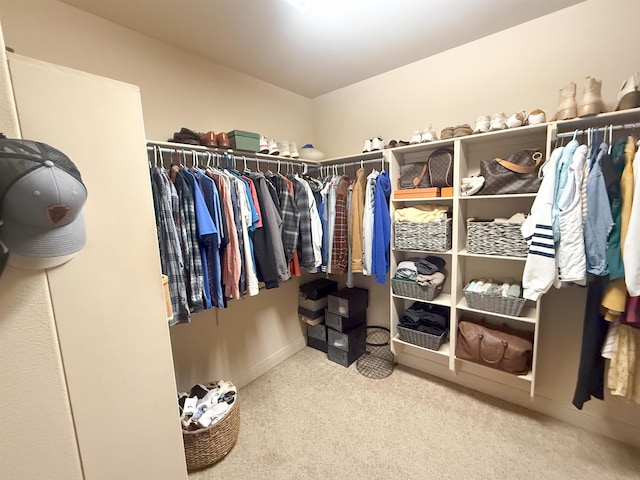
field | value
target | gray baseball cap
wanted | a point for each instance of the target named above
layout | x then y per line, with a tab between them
41	200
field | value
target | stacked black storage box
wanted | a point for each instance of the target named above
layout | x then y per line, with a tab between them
311	310
346	322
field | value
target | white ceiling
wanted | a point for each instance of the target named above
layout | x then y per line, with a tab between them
331	46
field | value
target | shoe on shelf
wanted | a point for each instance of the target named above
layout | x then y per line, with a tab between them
462	130
273	147
377	143
416	137
283	149
447	132
208	140
264	145
536	117
629	94
482	124
403	143
591	102
391	144
498	122
293	150
428	135
222	140
367	146
516	120
567	107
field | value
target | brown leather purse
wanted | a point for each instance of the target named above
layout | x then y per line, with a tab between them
518	174
493	348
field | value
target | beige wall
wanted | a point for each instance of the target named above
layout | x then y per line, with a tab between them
520	68
177	90
31	364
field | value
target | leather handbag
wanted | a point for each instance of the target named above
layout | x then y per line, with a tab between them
493	348
437	171
441	168
518	174
414	175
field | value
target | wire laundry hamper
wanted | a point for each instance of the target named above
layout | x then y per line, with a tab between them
378	359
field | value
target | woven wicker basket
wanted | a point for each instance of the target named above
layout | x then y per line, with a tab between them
495	303
408	288
422	339
206	446
426	236
490	238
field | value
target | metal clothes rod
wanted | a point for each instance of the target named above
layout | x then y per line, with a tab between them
188	152
628	126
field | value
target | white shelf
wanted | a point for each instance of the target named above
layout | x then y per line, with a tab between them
522	381
497	197
442	354
463	252
528	312
411	250
422	199
443	299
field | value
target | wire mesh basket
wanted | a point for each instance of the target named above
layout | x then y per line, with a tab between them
378	359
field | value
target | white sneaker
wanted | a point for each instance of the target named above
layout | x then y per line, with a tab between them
283	148
273	147
376	143
536	117
367	146
498	121
293	148
428	135
264	145
516	120
416	137
482	124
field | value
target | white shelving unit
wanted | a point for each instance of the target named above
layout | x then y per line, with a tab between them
463	266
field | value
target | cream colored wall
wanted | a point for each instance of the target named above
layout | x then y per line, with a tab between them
179	90
32	375
520	68
108	300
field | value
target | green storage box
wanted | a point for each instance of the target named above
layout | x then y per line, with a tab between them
241	140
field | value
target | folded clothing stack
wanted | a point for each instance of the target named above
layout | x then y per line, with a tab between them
422	214
489	287
206	405
423	271
426	318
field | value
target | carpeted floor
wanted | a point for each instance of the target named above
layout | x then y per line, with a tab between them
310	418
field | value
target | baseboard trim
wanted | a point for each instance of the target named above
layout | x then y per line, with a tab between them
608	427
266	365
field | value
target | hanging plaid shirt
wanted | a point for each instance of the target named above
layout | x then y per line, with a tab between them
340	250
190	248
305	241
290	216
171	259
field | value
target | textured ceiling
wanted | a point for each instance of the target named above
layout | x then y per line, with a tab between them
335	44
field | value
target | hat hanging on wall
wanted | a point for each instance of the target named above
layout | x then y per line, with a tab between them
41	200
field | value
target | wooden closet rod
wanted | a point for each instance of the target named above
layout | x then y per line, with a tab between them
628	126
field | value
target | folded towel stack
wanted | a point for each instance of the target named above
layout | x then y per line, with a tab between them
424	271
489	287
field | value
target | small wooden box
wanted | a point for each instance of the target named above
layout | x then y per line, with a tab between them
417	193
446	192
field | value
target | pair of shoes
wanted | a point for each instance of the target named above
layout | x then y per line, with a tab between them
424	136
482	124
264	145
446	133
394	144
590	104
629	94
518	119
372	144
498	122
186	135
462	130
536	117
471	185
282	148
